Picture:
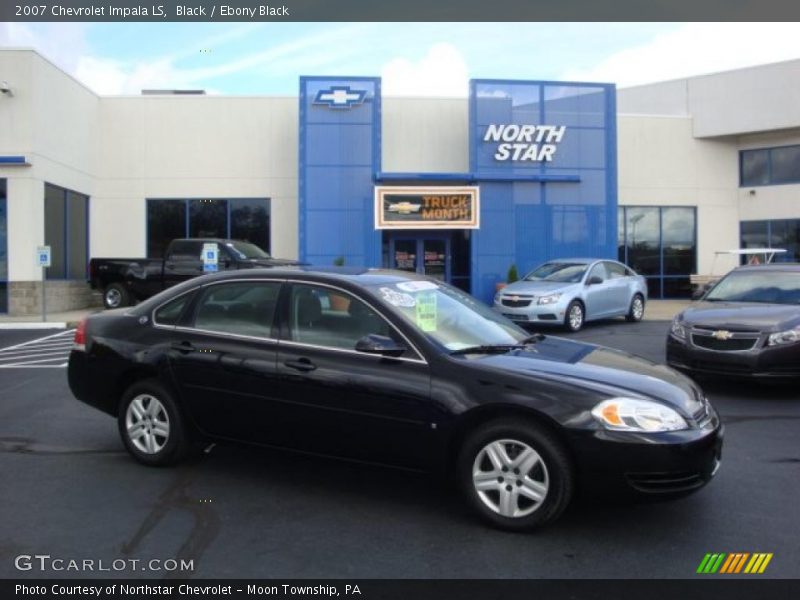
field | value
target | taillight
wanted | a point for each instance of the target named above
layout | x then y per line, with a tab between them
79	342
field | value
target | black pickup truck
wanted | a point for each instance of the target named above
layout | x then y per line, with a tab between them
124	281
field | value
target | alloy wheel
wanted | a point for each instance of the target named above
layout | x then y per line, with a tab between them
638	308
510	478
113	298
147	424
575	317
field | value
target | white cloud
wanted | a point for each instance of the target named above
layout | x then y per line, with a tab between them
441	72
696	49
63	43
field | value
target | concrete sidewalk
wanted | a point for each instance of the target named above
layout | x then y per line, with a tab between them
57	320
664	310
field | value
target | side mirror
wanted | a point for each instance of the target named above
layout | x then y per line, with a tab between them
594	280
379	344
700	291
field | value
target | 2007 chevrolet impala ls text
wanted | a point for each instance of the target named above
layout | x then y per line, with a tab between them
394	368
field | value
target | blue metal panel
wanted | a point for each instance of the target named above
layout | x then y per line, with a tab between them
339	154
572	211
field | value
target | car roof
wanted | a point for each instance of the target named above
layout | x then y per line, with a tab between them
359	275
580	261
770	267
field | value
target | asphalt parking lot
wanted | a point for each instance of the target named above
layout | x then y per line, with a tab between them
69	490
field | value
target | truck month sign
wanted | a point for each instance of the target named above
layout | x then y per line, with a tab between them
442	207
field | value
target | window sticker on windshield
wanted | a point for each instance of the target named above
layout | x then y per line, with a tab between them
416	286
426	312
396	298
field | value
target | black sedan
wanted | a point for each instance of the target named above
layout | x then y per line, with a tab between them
398	369
748	325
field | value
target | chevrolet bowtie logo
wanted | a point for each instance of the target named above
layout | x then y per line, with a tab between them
340	96
722	335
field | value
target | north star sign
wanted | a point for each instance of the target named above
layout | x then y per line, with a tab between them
533	143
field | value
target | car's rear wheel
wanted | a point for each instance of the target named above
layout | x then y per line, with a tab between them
151	425
116	296
574	317
515	474
636	310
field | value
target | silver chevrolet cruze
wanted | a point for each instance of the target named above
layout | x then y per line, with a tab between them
571	291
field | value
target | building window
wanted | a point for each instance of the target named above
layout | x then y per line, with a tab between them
3	249
245	219
66	231
659	242
778	233
768	166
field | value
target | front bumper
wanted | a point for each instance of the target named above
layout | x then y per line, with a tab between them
759	362
664	464
541	314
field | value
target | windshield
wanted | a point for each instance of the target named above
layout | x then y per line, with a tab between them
772	287
558	271
447	315
245	250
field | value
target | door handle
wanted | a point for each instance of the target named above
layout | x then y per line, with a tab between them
301	364
184	347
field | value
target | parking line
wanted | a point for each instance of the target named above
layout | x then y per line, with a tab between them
47	337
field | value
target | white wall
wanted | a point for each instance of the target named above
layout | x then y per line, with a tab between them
661	163
428	135
52	120
193	147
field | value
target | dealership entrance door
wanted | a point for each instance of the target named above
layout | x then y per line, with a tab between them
426	253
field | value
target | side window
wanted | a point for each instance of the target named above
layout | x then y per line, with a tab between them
242	308
615	270
185	250
171	311
598	270
325	317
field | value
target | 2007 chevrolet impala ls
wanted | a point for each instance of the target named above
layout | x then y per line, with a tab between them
394	368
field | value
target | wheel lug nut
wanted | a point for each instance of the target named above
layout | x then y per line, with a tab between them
505	469
499	480
516	471
519	483
508	488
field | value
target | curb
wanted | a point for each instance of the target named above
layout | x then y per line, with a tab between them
35	325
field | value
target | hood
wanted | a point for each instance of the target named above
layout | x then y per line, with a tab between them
536	288
742	316
598	367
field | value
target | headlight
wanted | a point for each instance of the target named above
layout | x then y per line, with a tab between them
677	329
497	297
550	299
632	414
784	337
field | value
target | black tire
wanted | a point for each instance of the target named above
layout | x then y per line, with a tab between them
116	295
634	314
575	305
166	449
553	469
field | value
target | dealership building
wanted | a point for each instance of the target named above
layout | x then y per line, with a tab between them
660	176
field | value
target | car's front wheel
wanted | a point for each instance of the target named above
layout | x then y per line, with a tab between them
515	474
574	317
636	310
151	425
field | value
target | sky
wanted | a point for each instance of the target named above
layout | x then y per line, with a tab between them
414	59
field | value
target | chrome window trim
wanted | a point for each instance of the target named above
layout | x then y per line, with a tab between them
421	358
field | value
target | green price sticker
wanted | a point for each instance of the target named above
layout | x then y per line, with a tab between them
426	312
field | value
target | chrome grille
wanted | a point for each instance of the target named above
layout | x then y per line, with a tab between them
723	340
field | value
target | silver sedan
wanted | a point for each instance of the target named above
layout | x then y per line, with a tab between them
572	291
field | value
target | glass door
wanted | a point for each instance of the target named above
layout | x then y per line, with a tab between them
425	254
